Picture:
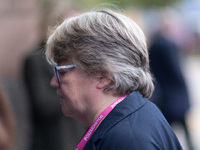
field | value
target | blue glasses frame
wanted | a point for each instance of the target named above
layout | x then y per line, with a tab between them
62	67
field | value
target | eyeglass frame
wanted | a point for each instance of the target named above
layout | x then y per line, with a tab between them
62	67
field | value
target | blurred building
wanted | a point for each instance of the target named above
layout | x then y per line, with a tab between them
18	30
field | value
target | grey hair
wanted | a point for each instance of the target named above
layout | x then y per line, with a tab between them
104	43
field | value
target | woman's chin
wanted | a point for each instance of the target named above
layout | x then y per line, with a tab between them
61	100
65	111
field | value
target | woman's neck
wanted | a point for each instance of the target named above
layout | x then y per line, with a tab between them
103	103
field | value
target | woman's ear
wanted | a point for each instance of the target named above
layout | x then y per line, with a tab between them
103	82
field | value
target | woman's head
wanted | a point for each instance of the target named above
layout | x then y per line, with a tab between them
104	44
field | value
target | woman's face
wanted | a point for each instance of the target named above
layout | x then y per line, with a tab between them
76	90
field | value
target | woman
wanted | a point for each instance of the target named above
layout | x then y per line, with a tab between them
103	80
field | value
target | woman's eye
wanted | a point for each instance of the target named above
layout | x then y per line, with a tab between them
62	73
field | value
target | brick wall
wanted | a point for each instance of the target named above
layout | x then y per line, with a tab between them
18	33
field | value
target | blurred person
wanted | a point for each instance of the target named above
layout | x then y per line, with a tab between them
7	123
49	133
45	111
170	94
103	80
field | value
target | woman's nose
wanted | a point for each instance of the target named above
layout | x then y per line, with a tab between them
54	82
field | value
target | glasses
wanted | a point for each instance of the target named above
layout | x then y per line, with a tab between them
57	68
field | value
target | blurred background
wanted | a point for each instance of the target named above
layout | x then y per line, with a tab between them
23	29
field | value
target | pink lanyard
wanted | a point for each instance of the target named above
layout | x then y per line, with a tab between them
91	130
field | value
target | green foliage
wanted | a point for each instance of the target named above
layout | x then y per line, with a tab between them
129	3
153	3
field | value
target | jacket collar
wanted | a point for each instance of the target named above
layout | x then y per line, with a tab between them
129	105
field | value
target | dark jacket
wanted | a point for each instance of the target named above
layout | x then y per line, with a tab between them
170	95
134	124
